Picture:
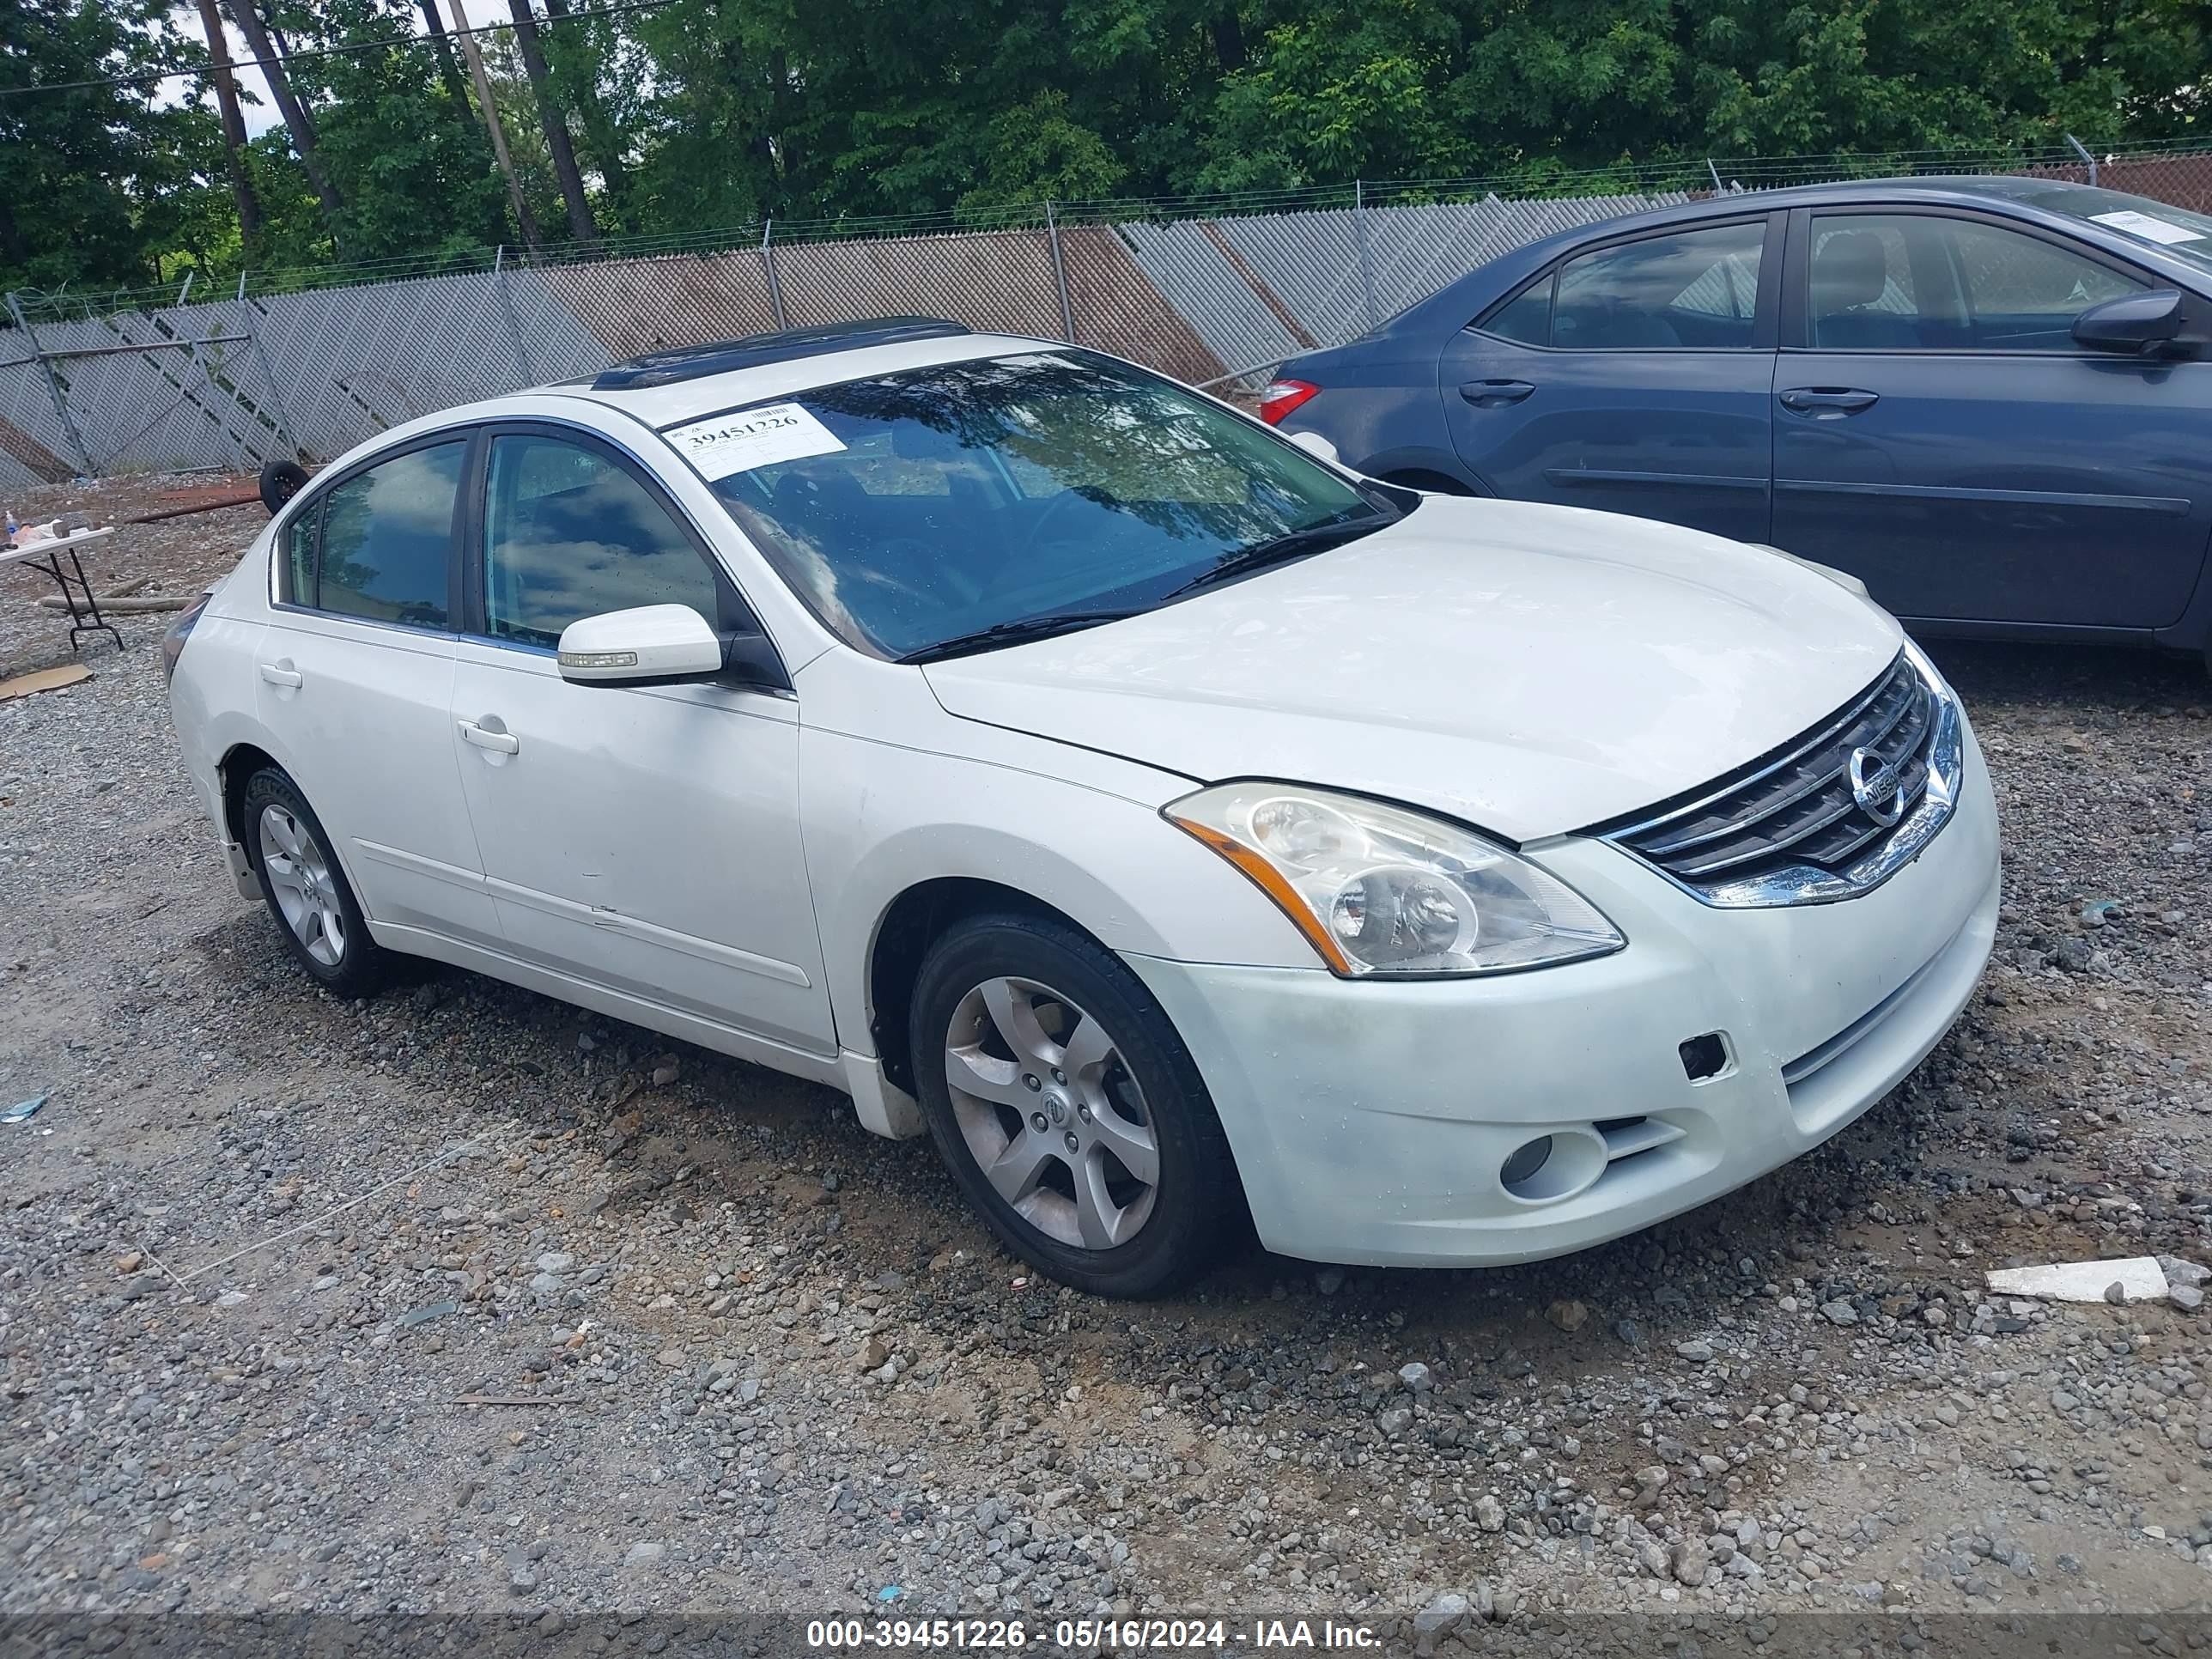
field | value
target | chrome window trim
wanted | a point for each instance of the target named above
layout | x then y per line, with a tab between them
420	630
1807	883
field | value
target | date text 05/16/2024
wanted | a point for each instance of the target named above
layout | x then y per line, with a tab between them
1088	1635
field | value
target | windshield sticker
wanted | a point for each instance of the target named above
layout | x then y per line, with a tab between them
2149	228
752	438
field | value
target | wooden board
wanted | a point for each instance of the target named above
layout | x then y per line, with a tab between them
46	679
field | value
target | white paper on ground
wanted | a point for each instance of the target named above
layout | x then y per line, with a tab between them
725	444
2139	1276
2148	226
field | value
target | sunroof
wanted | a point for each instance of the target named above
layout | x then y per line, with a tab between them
719	356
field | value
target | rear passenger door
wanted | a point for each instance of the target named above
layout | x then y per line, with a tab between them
1633	375
354	682
1938	434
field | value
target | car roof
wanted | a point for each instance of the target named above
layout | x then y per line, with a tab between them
730	374
1964	190
1940	187
2023	197
766	375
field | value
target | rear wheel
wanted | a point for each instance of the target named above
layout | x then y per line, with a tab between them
306	891
1067	1108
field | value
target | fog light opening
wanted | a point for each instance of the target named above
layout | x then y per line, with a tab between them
1704	1058
1546	1168
1526	1161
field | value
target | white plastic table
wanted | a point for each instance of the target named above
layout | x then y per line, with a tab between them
46	556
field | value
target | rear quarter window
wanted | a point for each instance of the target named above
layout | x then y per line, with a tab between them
1526	319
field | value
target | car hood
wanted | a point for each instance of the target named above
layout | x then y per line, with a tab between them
1528	670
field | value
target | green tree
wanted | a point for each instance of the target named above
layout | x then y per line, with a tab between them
90	179
412	167
700	115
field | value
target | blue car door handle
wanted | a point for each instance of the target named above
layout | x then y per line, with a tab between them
1489	394
1827	403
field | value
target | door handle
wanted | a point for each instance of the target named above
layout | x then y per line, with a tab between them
1490	394
1827	403
281	673
499	743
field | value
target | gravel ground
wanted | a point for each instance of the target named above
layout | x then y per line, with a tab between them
261	1250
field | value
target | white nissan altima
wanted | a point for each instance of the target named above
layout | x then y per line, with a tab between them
1171	822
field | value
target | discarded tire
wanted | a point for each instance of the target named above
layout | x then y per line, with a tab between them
280	482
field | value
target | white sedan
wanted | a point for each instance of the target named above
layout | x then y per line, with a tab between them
1173	824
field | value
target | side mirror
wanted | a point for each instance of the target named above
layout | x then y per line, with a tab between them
649	644
2140	324
1314	445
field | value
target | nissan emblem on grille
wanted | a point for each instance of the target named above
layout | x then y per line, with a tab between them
1876	787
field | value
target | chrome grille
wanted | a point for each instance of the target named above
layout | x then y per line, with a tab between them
1788	829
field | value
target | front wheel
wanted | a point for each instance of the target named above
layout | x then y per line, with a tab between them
1067	1108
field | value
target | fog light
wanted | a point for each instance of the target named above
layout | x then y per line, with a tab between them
1526	1159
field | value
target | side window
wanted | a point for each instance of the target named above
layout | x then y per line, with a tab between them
1914	281
1862	293
1694	288
387	543
569	533
1526	319
2023	293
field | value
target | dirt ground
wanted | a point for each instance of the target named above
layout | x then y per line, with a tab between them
463	1300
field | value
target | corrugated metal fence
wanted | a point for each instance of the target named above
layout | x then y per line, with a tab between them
1200	289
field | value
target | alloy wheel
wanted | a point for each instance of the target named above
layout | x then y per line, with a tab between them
299	879
1052	1113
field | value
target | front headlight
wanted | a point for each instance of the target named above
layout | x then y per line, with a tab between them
1378	890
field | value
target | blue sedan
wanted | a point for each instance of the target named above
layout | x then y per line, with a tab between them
1988	399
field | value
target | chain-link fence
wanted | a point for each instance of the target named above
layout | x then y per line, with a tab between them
1205	288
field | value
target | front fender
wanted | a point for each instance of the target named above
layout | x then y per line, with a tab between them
881	820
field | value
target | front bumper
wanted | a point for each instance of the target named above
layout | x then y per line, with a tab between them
1371	1120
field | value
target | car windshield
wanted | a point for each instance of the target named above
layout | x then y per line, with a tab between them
969	504
2177	231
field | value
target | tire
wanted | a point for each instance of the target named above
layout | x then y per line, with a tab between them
1065	1200
318	916
280	482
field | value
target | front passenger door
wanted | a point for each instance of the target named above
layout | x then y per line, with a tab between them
1939	433
643	838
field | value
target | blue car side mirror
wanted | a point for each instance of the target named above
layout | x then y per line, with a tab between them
2143	324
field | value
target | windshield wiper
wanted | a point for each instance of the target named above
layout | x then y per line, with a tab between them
1279	549
1006	633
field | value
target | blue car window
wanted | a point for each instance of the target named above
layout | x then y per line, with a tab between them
1919	282
1863	292
2022	293
1526	319
1696	288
